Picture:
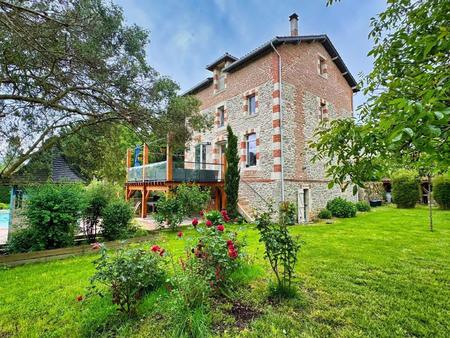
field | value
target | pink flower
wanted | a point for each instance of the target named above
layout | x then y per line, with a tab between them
220	227
156	248
96	246
195	222
80	298
180	234
232	253
162	252
209	223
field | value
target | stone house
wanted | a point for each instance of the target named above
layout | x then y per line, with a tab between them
273	98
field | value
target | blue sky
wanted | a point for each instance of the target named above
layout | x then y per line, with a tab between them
186	35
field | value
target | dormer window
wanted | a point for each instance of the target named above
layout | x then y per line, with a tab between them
221	82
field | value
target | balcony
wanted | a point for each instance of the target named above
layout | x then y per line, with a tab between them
183	172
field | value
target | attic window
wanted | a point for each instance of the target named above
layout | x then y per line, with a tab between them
322	66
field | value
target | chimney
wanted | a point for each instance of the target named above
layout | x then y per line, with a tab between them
293	19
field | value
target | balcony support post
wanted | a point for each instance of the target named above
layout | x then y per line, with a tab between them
169	159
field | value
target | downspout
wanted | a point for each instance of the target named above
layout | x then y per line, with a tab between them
281	122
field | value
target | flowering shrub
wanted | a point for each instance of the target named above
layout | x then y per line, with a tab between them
217	250
169	210
129	275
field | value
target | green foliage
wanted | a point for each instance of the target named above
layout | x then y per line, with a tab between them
232	175
98	195
288	210
362	206
405	189
405	120
192	198
4	205
4	194
53	212
24	240
441	191
169	210
117	217
341	208
189	303
128	274
281	251
325	214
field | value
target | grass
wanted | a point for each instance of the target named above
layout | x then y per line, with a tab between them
381	274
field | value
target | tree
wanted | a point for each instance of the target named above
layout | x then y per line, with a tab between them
73	64
232	175
406	119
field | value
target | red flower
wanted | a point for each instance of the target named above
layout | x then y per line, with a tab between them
96	246
232	253
220	227
202	213
195	222
156	248
209	223
79	298
230	243
162	252
180	234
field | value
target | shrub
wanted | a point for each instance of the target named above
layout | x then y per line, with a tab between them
405	189
53	212
441	191
192	198
342	208
281	250
288	210
128	275
217	250
325	214
4	205
117	217
4	194
24	240
169	210
362	206
98	195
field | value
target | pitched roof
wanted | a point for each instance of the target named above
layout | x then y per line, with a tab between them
225	57
279	40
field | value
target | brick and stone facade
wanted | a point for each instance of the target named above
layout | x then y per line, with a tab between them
315	87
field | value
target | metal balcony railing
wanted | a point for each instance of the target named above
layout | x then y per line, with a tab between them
186	171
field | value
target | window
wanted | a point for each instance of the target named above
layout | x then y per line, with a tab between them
221	111
322	66
221	82
251	150
251	103
200	156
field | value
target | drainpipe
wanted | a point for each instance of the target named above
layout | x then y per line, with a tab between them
281	122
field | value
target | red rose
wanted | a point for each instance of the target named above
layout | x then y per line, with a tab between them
195	222
230	243
155	248
180	234
232	253
209	223
79	298
202	213
96	246
162	252
220	227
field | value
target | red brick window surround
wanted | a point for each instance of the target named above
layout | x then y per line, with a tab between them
250	103
249	146
221	116
322	66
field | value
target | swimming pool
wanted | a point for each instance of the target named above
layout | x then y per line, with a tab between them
4	219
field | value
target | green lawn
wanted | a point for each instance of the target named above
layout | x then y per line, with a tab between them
381	274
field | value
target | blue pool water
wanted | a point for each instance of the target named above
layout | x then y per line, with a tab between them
4	219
